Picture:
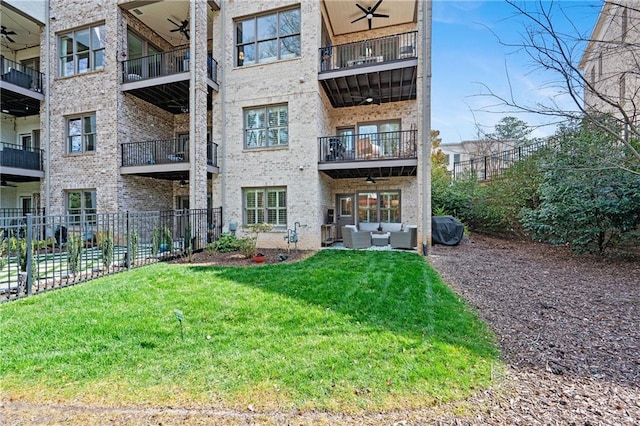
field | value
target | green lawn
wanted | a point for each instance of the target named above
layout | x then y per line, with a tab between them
346	331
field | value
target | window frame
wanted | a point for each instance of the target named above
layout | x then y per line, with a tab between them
84	136
261	207
379	209
240	57
264	132
84	214
76	56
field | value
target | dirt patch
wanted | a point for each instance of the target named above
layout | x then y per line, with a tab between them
568	328
237	259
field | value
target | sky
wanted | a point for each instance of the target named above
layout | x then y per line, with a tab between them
467	55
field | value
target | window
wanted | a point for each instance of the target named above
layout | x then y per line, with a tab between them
379	206
265	205
81	207
384	136
82	50
266	126
268	38
456	158
81	134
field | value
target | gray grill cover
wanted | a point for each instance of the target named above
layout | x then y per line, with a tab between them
446	230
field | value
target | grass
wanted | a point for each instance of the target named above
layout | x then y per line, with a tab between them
341	331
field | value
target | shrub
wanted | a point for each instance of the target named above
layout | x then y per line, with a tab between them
74	253
161	240
227	243
135	239
106	247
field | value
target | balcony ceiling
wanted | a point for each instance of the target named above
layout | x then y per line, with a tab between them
18	105
393	82
27	31
369	169
155	15
341	13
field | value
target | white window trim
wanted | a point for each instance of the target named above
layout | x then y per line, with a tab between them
264	191
264	131
92	52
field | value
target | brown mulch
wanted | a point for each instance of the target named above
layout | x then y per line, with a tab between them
568	328
236	259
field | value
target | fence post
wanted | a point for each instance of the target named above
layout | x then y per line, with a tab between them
29	254
128	265
485	167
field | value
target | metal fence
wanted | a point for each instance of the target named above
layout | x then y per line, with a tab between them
20	75
40	253
162	64
368	146
494	165
12	155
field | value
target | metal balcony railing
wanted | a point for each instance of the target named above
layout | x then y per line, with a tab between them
12	155
369	52
163	151
369	146
20	75
162	64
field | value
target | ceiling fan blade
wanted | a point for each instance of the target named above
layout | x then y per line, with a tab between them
10	39
174	23
11	33
369	20
380	15
373	9
174	30
362	9
362	17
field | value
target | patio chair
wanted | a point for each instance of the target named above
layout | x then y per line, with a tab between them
355	239
407	239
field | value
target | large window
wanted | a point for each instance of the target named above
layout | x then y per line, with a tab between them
265	205
385	136
266	126
82	50
268	38
81	134
379	206
81	207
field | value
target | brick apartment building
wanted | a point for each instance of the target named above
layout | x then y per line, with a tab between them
306	114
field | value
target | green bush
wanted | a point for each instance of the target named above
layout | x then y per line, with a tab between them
106	247
161	240
227	243
74	252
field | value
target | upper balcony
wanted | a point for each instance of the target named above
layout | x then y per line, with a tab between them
369	155
376	70
162	79
164	159
18	164
21	89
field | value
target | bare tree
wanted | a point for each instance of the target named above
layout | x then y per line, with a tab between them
603	80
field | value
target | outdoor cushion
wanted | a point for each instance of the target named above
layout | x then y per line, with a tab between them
391	227
368	226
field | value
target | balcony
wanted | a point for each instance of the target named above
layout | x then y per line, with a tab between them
21	89
164	159
18	164
377	70
162	79
385	154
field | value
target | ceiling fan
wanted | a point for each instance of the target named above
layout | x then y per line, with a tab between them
368	99
370	13
6	34
182	27
369	180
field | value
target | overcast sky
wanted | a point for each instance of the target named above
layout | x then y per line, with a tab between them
468	54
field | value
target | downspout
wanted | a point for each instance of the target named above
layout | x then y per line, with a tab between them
47	106
426	126
223	112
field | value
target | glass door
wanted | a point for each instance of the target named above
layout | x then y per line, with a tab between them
344	212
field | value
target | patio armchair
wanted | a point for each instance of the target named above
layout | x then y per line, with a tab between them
407	239
355	239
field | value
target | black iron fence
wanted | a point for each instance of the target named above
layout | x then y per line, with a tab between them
162	64
369	52
12	155
41	253
163	151
20	75
369	146
493	165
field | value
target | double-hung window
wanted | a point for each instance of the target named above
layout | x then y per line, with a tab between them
82	50
81	134
266	126
268	38
265	205
81	206
379	206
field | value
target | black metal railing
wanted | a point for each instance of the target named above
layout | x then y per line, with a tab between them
163	151
368	146
212	154
368	52
12	155
162	64
67	249
489	166
18	74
